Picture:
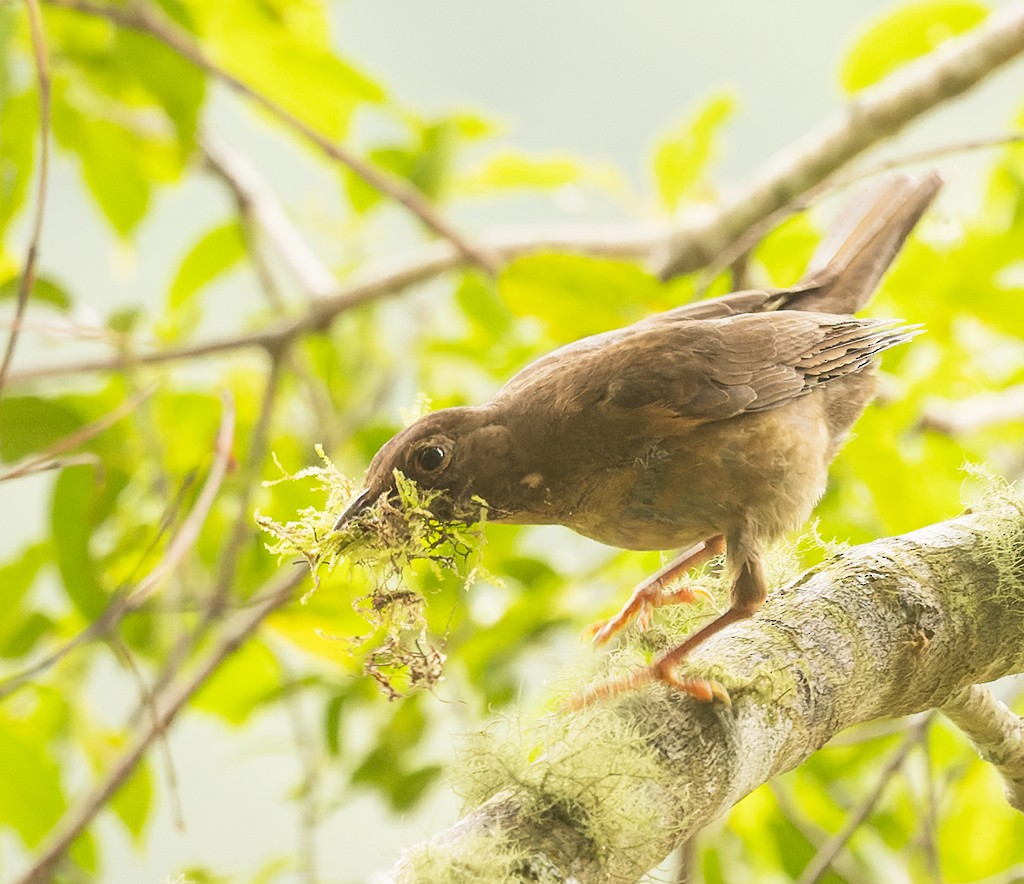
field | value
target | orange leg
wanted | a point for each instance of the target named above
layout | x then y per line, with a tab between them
654	593
748	594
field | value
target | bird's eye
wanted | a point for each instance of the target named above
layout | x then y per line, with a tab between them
430	459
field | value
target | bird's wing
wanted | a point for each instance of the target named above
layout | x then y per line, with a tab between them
715	369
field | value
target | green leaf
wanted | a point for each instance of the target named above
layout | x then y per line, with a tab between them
44	291
285	54
19	630
905	35
177	86
133	803
248	678
29	424
508	169
31	800
216	252
575	295
111	164
19	123
786	251
682	155
77	508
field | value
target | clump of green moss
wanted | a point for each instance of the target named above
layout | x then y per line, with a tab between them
594	771
1002	503
384	541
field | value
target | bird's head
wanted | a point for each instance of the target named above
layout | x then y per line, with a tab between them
450	452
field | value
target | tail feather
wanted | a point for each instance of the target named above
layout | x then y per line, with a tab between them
863	243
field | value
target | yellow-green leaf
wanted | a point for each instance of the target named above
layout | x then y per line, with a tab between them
904	35
249	677
217	251
681	156
511	169
576	296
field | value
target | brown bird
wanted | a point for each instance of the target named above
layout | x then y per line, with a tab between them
709	427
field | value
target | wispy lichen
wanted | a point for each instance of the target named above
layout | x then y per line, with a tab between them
384	540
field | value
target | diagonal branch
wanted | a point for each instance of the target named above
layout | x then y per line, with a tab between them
383	280
45	460
873	116
996	732
879	113
891	628
257	201
170	703
148	20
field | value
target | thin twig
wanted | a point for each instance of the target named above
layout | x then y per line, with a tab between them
188	533
28	273
178	695
264	219
736	250
384	280
827	854
46	460
812	833
307	792
148	20
148	699
217	602
126	599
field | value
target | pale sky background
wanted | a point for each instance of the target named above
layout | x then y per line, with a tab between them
594	77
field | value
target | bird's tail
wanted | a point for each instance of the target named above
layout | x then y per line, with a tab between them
862	244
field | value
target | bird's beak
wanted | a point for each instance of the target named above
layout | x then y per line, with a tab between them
365	498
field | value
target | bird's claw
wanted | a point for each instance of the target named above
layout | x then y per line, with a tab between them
702	689
640	608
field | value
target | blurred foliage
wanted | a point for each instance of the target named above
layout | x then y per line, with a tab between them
128	111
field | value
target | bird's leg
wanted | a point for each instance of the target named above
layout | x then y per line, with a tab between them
654	592
749	591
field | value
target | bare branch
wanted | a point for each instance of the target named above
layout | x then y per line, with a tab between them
976	413
150	20
997	733
188	533
828	853
257	200
28	271
380	281
873	116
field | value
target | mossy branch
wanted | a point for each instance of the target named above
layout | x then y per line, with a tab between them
890	628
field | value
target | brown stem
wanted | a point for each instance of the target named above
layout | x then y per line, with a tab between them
28	273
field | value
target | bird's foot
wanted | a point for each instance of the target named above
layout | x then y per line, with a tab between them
646	597
702	689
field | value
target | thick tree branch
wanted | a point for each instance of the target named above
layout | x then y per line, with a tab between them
875	115
890	628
